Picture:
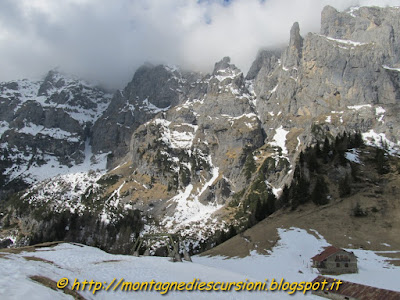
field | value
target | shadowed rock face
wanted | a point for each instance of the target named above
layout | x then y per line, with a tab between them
265	62
153	89
46	123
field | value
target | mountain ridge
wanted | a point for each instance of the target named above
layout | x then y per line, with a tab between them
189	151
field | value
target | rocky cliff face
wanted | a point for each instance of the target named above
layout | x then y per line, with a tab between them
153	89
347	75
196	153
45	127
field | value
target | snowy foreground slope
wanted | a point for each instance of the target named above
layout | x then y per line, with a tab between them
289	259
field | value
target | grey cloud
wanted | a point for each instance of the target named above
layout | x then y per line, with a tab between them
107	40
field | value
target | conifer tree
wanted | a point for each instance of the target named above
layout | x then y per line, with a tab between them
344	186
358	141
301	158
232	231
270	205
318	151
312	161
326	149
249	166
259	212
320	192
285	197
381	161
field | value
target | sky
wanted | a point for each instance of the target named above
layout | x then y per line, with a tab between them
106	41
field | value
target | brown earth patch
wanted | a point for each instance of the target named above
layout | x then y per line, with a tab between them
39	259
395	262
107	261
30	248
3	256
47	282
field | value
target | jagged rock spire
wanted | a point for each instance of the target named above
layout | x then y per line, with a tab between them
293	53
224	64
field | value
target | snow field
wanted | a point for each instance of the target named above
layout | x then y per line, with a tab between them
289	259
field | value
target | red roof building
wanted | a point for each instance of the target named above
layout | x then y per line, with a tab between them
326	253
350	290
335	261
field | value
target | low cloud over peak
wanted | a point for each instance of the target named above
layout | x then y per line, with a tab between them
107	40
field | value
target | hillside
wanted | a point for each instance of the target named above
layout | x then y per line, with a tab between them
207	156
373	225
36	270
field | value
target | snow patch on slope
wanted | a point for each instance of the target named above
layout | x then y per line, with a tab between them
188	208
251	123
52	167
352	10
29	90
345	44
150	107
4	126
181	138
227	73
380	113
390	68
279	139
353	156
358	107
83	262
64	191
55	133
291	259
371	138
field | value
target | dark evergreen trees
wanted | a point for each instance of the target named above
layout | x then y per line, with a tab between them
285	196
341	146
356	140
300	189
381	161
249	166
344	186
326	149
312	161
320	193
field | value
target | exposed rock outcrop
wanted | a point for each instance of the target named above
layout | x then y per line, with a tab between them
153	89
196	153
45	127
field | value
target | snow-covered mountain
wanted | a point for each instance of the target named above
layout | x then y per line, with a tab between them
202	155
45	128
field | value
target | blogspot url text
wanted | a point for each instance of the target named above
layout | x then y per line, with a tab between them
197	285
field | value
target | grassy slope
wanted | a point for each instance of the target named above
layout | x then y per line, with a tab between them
379	195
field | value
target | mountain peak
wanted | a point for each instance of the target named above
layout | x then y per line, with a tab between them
194	154
295	37
224	64
296	41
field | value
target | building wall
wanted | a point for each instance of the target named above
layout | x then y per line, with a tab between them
336	264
